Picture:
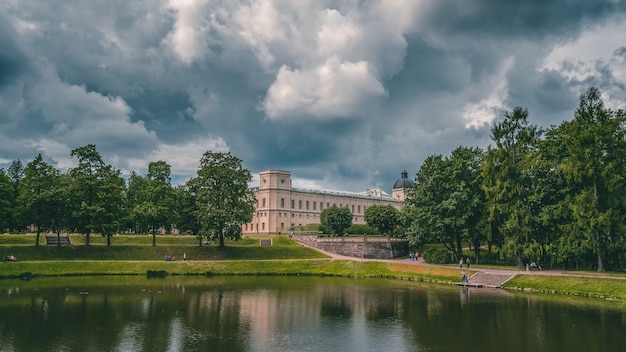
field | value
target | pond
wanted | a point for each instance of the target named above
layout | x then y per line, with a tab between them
296	314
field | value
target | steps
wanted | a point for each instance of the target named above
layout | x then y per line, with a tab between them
489	279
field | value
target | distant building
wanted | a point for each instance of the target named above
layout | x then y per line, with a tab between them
280	207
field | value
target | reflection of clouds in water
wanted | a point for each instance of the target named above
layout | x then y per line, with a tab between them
177	335
145	307
131	338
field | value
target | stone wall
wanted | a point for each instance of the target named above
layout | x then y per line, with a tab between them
358	247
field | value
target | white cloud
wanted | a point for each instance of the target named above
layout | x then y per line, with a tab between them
334	89
183	158
189	37
598	43
486	110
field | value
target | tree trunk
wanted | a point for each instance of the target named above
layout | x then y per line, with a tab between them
153	237
600	262
221	238
58	238
476	251
87	238
108	240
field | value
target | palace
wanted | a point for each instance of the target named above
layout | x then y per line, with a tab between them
281	207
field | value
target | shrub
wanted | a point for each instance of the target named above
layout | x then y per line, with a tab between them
359	229
437	256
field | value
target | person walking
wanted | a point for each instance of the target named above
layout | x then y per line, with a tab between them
461	263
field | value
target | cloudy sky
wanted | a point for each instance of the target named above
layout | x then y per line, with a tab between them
344	94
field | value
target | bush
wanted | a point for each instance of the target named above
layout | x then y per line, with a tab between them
399	231
359	229
437	256
324	229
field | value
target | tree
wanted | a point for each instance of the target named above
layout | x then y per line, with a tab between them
156	200
135	192
38	199
224	199
15	172
110	206
507	180
338	219
446	205
6	206
85	188
594	167
186	209
385	218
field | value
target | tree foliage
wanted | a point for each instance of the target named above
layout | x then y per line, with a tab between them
6	201
338	219
39	195
447	203
156	201
385	218
594	166
224	200
507	174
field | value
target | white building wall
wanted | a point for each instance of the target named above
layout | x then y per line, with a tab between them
280	207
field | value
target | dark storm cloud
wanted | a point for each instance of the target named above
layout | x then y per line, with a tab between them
345	94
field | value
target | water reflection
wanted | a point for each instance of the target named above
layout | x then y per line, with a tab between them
295	314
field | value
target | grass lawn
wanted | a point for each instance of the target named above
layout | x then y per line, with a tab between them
574	285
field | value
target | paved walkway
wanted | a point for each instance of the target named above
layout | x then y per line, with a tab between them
484	277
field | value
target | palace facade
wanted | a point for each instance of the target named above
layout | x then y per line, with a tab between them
281	207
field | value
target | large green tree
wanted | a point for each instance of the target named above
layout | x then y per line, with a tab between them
595	167
224	199
446	205
507	181
385	218
15	172
156	201
111	210
338	219
39	199
6	201
186	209
85	186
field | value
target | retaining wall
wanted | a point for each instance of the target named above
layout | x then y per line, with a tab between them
358	247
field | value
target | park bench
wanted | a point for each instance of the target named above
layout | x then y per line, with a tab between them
58	240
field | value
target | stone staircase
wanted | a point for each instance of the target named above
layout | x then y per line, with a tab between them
489	279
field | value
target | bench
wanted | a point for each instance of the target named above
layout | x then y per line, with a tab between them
58	240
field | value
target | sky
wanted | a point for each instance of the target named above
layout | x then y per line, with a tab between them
344	94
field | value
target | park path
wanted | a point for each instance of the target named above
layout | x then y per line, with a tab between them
484	277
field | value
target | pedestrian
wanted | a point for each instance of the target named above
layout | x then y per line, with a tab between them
184	256
463	276
468	262
461	263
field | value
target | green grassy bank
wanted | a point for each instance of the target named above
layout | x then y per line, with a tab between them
611	288
134	255
342	268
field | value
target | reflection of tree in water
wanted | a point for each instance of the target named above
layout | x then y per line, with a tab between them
336	306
